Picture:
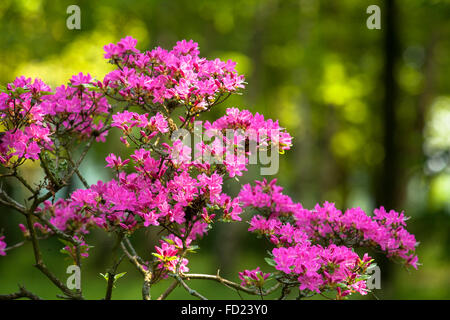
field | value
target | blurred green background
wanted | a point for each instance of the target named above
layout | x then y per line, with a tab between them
369	110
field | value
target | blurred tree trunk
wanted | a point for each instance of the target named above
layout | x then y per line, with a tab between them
387	181
387	189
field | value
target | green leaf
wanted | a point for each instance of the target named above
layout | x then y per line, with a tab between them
91	87
158	256
169	241
342	285
65	242
118	276
105	276
373	265
270	262
20	90
172	258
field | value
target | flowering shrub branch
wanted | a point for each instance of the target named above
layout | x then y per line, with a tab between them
153	99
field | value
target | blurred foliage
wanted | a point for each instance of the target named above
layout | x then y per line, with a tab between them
311	64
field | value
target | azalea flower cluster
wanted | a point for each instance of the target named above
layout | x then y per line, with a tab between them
142	197
253	278
266	132
148	127
315	246
34	116
239	135
318	269
179	75
227	143
70	249
168	255
385	231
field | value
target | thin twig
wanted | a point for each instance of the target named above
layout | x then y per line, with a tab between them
22	293
10	202
112	271
169	290
43	268
189	289
23	181
134	259
229	283
58	232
